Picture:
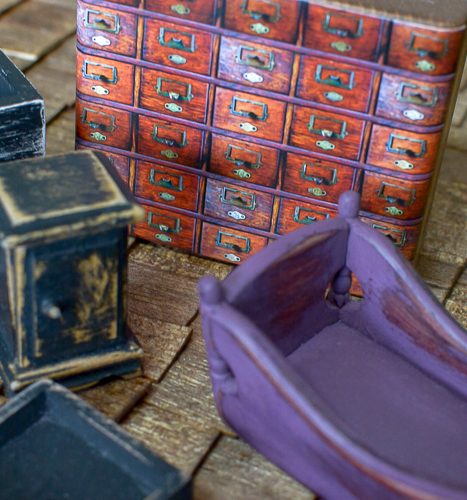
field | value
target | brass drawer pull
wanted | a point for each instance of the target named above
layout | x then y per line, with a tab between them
418	45
89	74
102	21
224	240
160	179
167	141
89	116
324	127
307	216
164	87
255	58
167	223
319	179
239	162
417	94
411	153
327	75
263	108
238	198
262	16
177	40
393	193
335	24
397	236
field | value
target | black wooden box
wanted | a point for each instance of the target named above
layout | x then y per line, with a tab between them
54	446
22	115
63	240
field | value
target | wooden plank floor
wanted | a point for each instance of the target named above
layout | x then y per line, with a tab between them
170	407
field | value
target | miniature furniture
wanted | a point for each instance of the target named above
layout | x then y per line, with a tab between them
54	446
355	399
238	121
63	238
22	115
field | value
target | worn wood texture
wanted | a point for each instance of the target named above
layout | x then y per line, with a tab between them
196	440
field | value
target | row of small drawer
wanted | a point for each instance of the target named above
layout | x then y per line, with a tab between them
381	194
320	80
311	129
224	243
413	47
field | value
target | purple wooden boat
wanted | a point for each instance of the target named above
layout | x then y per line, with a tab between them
355	399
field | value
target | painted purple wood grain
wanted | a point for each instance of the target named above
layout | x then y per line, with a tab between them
355	399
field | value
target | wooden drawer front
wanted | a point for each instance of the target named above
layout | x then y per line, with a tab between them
106	29
296	214
249	114
103	125
238	204
316	178
177	46
403	151
105	78
229	245
404	237
255	65
394	197
169	141
244	161
428	51
276	19
333	83
166	185
167	228
174	95
202	11
346	33
325	132
413	101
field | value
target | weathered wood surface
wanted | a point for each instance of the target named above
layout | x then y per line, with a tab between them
170	407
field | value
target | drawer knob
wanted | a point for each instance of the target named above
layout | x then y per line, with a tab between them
253	77
100	40
232	257
100	90
180	9
425	65
394	211
243	174
341	46
248	127
413	114
403	164
235	214
259	29
50	310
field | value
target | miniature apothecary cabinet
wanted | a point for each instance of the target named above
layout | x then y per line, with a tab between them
22	115
63	238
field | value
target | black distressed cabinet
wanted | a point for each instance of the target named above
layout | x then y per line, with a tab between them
63	238
22	115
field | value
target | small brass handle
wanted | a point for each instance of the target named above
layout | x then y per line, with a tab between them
51	310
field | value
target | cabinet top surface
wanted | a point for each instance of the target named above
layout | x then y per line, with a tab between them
39	194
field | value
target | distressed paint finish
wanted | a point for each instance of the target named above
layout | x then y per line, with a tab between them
22	115
369	397
88	455
63	271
